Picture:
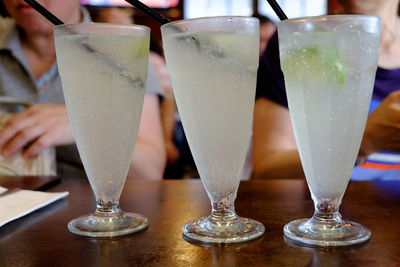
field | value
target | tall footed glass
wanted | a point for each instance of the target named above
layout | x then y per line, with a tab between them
103	69
213	66
329	65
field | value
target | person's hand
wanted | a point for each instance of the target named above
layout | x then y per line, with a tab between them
35	129
382	131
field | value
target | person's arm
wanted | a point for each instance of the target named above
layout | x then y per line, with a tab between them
274	147
275	153
382	131
149	157
168	107
168	111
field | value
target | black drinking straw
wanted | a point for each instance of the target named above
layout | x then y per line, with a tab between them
278	10
149	11
39	8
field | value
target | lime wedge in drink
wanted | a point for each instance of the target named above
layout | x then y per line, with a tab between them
143	47
314	63
135	47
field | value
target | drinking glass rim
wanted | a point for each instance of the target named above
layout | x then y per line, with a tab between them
103	24
185	21
340	17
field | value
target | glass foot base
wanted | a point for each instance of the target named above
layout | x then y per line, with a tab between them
234	230
310	232
99	225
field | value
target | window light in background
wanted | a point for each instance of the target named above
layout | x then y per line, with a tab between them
207	8
294	8
122	3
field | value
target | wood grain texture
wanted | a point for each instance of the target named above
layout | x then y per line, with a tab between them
42	238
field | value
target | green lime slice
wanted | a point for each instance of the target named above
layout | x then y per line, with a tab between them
143	47
314	63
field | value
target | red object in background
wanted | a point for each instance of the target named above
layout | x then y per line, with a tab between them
333	7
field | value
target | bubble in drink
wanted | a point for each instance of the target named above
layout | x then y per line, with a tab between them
327	80
104	95
215	98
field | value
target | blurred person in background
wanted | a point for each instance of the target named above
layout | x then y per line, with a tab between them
179	159
275	152
111	15
174	136
267	29
28	72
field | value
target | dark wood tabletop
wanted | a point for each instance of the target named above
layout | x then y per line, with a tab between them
42	238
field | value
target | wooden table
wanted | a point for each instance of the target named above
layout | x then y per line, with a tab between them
42	238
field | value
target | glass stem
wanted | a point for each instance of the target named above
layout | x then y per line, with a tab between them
223	210
327	212
107	208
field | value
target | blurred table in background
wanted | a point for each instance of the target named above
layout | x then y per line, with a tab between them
42	238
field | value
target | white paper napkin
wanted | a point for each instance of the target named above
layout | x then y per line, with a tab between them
2	190
18	204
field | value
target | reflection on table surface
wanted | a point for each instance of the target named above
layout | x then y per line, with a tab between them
42	238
